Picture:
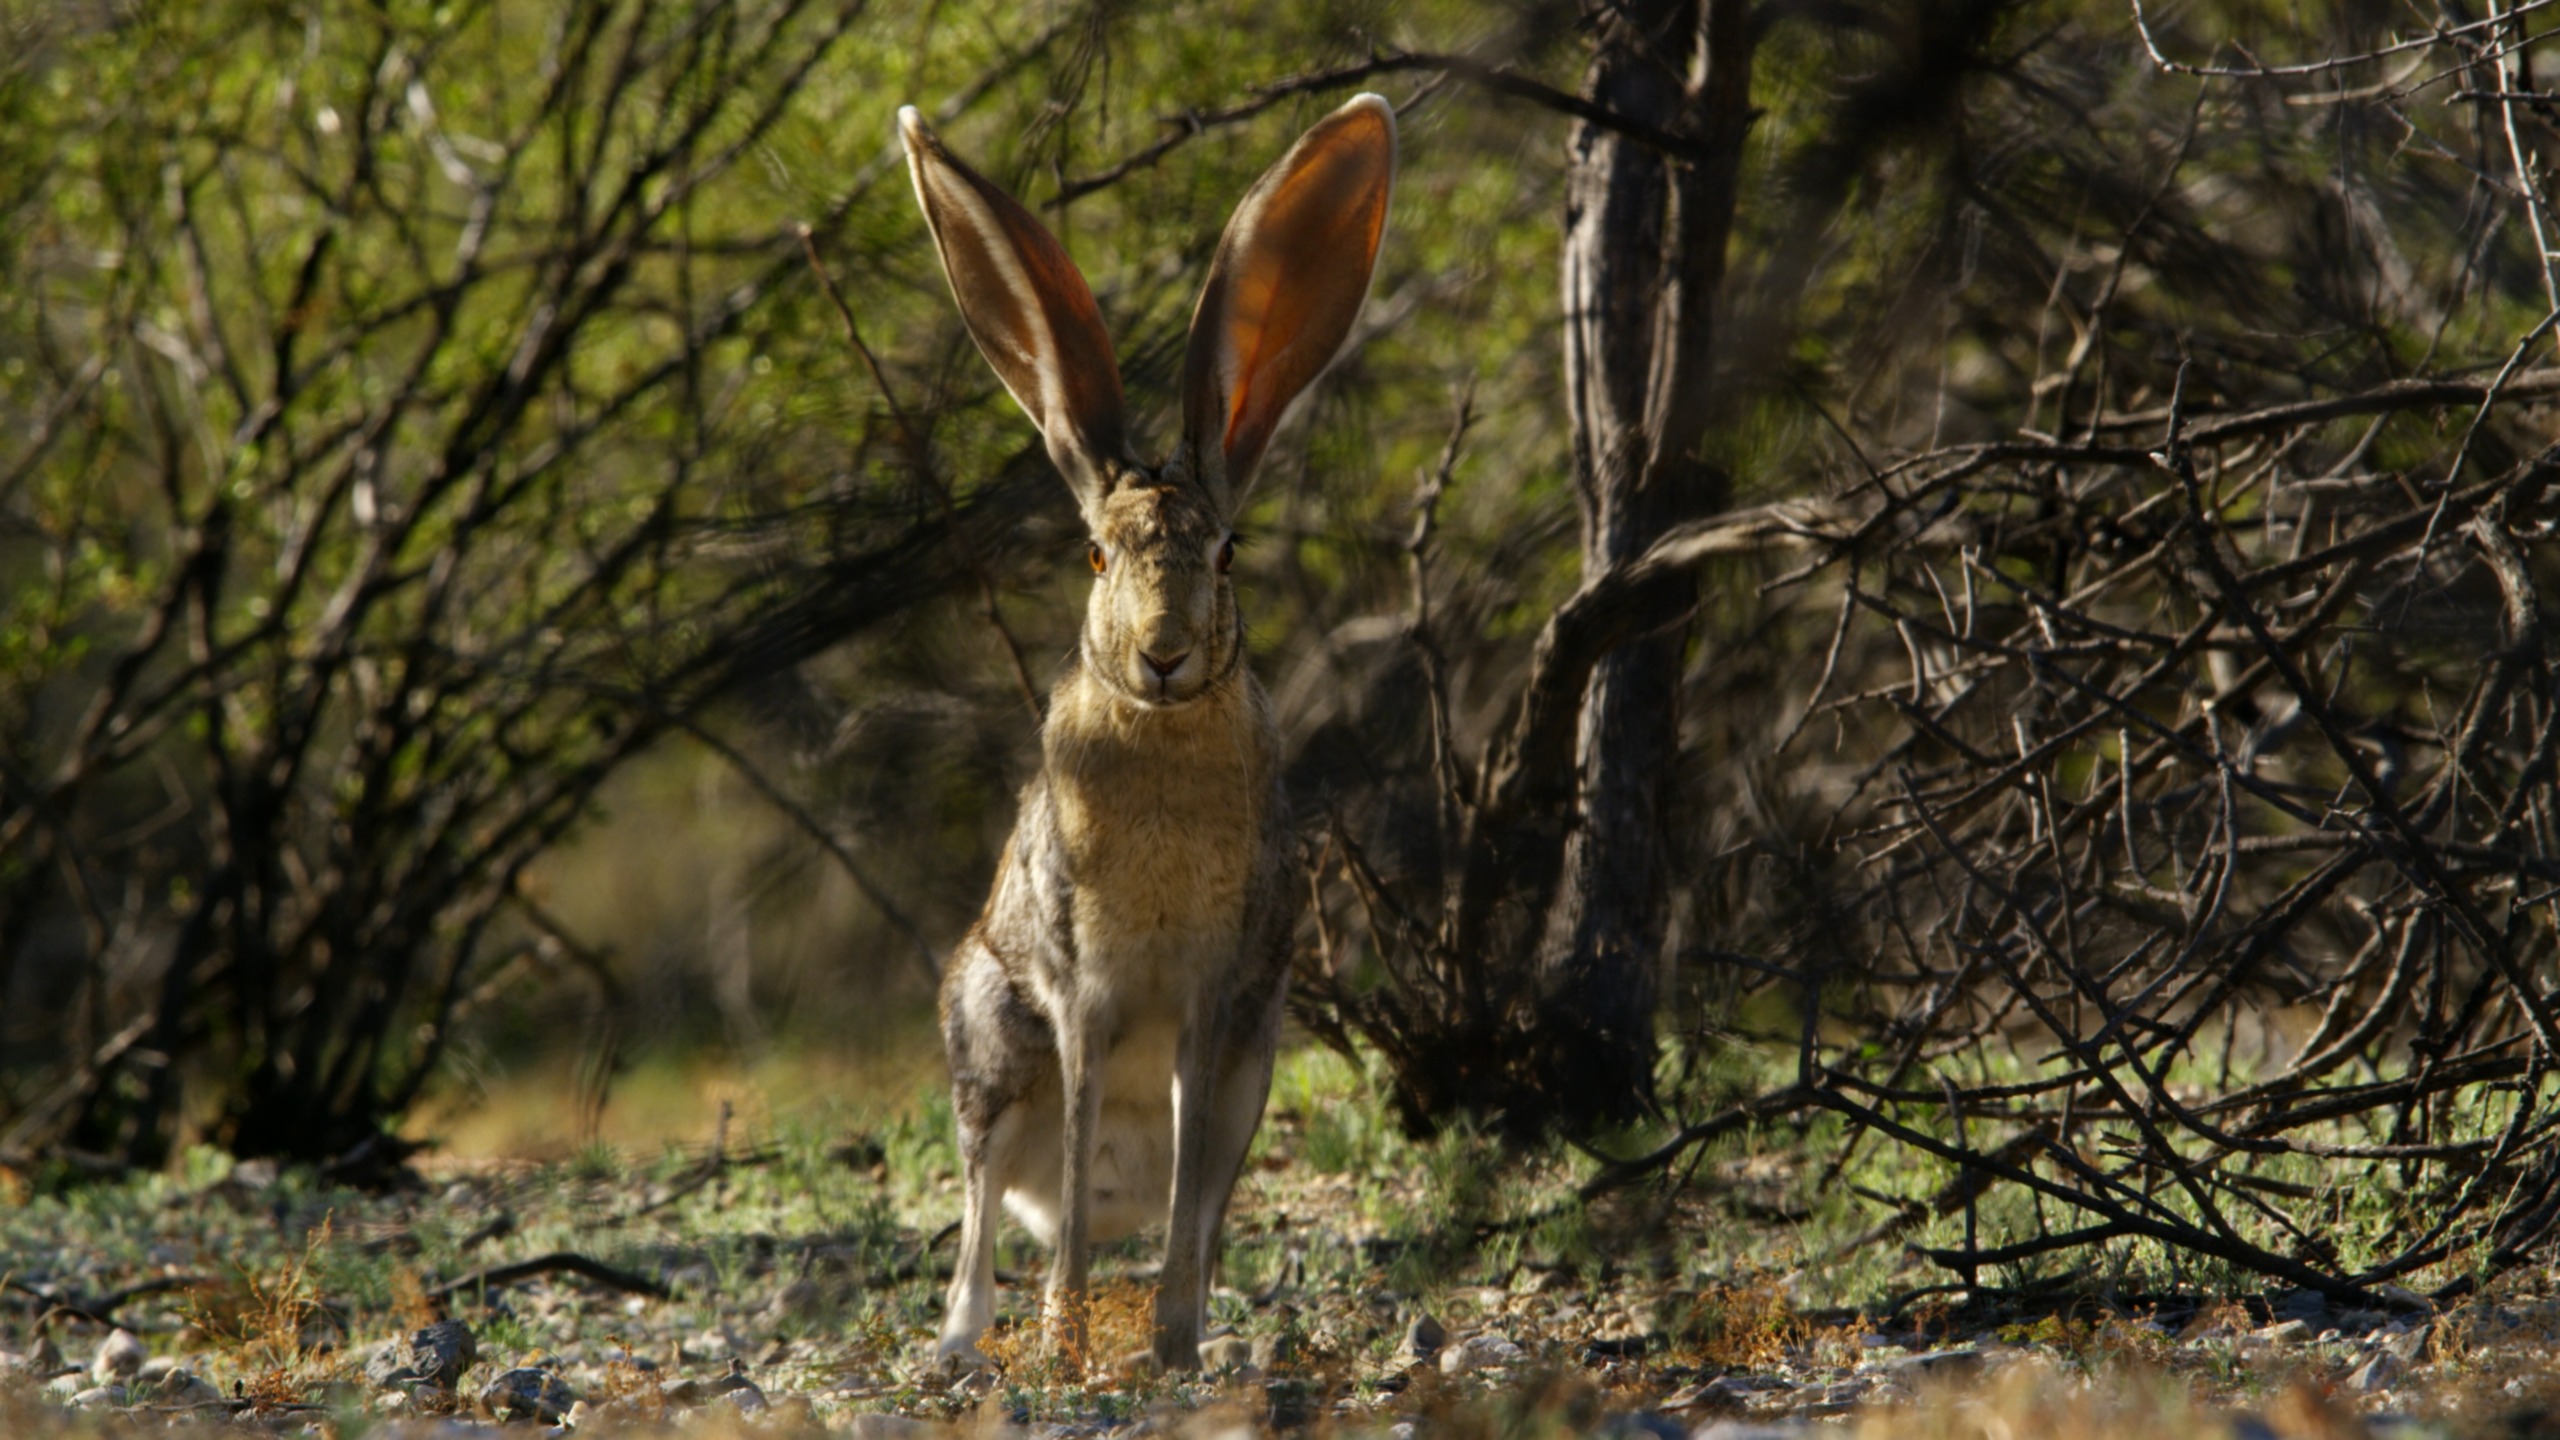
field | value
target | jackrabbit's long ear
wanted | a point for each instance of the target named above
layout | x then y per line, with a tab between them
1027	306
1291	274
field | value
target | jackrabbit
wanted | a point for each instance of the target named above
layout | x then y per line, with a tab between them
1112	1016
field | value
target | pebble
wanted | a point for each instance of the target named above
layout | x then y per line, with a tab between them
2289	1332
2301	1305
99	1397
119	1356
528	1393
2379	1373
1960	1358
1831	1399
184	1387
881	1426
1273	1349
1225	1352
1423	1339
434	1355
2408	1343
1480	1352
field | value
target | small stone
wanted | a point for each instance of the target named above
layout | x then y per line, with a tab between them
697	1392
435	1355
1480	1352
875	1426
2287	1333
687	1392
99	1397
1744	1430
184	1387
2379	1373
717	1343
1616	1347
1961	1358
745	1397
1273	1350
1827	1399
1225	1352
528	1392
1422	1339
119	1356
2407	1344
1734	1392
2301	1305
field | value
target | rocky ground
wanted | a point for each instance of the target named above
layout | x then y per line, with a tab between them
792	1286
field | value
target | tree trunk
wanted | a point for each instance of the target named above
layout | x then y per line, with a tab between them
1644	252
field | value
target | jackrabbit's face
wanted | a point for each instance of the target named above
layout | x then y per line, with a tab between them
1161	627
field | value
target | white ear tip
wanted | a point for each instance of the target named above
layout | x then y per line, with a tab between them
911	126
1375	104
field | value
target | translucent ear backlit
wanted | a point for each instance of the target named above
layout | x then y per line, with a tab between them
1028	307
1291	274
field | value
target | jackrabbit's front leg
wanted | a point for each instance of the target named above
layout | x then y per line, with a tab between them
1179	1290
1080	1071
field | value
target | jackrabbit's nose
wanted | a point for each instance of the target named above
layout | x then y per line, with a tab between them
1164	668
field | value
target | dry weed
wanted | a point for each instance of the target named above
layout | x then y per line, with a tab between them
1119	1321
265	1324
1748	1323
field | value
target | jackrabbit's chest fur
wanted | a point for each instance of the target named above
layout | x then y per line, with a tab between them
1160	814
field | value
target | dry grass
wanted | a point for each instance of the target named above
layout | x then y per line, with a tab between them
274	1326
1119	1324
1742	1324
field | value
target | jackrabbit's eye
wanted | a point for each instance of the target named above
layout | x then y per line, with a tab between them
1226	555
1093	556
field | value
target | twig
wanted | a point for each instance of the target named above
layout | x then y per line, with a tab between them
556	1263
1499	80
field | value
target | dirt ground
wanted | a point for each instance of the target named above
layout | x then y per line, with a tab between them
790	1284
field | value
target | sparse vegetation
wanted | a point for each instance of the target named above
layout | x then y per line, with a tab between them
1447	1289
